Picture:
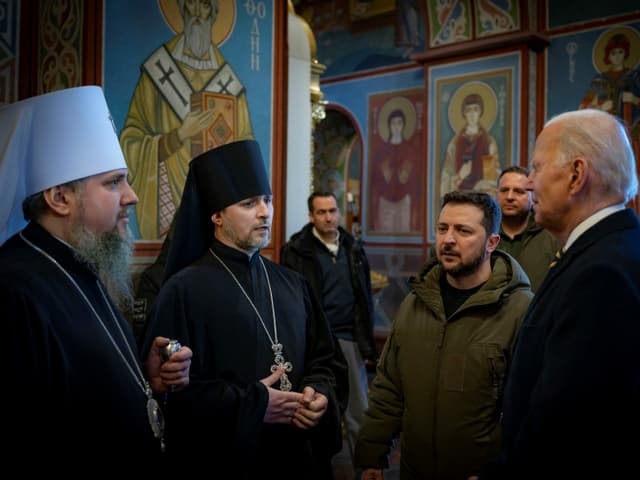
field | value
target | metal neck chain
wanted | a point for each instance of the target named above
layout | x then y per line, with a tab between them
139	378
279	361
274	341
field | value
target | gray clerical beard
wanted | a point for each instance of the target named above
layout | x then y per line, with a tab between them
198	37
109	255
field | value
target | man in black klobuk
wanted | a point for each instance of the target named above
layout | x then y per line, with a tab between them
263	376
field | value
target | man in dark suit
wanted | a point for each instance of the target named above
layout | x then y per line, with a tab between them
572	401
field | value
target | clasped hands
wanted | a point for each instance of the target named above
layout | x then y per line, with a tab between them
303	410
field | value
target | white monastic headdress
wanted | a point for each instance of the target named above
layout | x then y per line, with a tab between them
49	140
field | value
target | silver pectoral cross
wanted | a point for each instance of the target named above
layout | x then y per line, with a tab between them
285	383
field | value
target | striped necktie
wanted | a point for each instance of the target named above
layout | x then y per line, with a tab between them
557	257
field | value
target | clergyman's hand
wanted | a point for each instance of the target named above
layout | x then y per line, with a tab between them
312	407
282	405
171	375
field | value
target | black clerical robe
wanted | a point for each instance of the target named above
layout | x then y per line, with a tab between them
218	419
69	398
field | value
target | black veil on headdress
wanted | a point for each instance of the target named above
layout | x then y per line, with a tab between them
216	179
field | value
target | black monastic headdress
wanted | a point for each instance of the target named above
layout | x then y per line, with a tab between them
216	179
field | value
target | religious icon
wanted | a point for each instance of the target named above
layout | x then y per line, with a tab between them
471	159
395	166
188	99
616	88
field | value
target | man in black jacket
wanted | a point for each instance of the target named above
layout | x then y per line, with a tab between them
336	266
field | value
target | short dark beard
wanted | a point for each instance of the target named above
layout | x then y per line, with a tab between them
109	256
247	245
519	217
466	269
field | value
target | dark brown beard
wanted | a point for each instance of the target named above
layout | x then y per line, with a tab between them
466	269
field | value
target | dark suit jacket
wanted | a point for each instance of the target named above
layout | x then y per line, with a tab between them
572	400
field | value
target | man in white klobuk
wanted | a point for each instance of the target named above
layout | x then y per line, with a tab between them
75	384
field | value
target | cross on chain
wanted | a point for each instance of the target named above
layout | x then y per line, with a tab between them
285	383
167	78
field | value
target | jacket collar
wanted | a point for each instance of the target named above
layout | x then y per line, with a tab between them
620	220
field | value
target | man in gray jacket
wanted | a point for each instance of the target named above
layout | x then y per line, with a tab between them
440	378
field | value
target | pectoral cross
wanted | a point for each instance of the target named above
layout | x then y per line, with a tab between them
285	383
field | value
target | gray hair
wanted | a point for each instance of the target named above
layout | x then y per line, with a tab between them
603	140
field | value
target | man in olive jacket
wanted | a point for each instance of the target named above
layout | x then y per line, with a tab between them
337	269
520	236
441	373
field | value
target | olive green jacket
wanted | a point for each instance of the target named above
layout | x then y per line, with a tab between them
440	380
534	249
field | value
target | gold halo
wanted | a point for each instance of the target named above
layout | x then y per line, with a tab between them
634	47
456	119
221	28
397	103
